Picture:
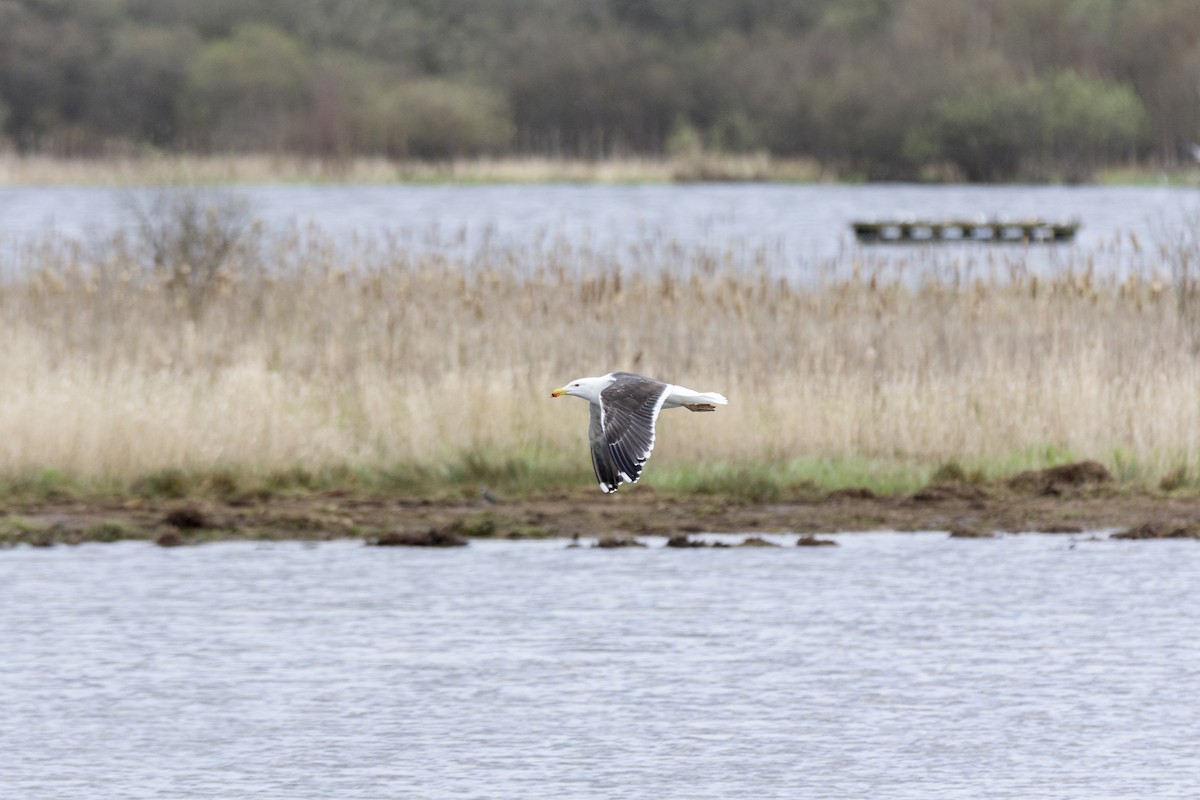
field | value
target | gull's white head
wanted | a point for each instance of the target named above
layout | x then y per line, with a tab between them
587	388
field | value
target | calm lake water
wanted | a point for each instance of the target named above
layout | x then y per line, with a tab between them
894	666
792	225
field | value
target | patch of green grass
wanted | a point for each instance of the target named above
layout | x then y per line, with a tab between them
46	484
1126	468
953	471
517	474
749	483
20	530
170	483
1179	478
477	526
109	531
881	476
479	467
223	483
17	525
513	476
799	479
289	480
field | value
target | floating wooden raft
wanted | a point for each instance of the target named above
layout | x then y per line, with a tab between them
911	231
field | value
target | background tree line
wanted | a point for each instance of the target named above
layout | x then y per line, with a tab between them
980	89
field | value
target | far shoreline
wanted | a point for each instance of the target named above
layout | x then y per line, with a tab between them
156	169
282	169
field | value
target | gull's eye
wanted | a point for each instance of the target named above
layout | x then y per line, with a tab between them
577	384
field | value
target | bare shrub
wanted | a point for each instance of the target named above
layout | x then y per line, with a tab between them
192	239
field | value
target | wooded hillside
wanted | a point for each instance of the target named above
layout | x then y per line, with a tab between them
984	89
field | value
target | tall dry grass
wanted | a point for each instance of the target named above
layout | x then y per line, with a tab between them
299	351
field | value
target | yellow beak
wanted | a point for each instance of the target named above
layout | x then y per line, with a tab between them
558	392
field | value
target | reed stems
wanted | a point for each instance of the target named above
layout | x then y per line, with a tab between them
301	352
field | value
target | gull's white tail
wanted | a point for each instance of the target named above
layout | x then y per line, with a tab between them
681	396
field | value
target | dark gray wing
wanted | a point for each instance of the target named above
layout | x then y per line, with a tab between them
602	463
622	428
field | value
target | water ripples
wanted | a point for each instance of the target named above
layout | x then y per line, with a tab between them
898	665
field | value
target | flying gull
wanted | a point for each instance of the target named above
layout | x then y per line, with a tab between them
624	408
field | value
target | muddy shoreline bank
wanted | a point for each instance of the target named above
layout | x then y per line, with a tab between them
1072	503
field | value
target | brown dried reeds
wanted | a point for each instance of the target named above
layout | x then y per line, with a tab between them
305	352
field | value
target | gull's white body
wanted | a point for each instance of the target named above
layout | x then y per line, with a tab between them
589	389
624	409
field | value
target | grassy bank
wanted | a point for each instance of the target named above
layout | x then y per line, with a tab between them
466	477
238	363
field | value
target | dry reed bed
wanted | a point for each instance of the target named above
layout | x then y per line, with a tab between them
302	355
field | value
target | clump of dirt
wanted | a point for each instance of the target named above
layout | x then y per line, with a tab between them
434	537
186	518
949	491
170	539
683	540
1059	528
1161	530
756	541
813	541
850	494
1054	480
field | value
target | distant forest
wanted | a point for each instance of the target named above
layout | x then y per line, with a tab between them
976	89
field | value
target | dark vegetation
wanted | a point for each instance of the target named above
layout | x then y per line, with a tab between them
975	89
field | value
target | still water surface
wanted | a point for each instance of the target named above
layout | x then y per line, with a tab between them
792	224
896	665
